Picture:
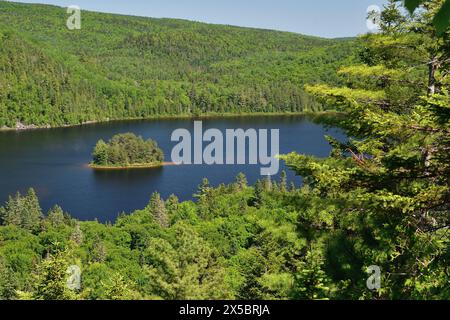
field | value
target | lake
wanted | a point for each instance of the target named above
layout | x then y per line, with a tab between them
53	162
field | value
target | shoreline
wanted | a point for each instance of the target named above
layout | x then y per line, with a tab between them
22	128
131	167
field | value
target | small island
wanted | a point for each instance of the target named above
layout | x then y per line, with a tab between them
126	151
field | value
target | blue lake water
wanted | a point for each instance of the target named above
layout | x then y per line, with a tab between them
53	162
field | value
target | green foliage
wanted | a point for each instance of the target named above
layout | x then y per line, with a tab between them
23	212
311	281
118	289
158	210
292	244
119	67
51	279
208	253
381	198
387	188
127	150
184	267
8	282
441	19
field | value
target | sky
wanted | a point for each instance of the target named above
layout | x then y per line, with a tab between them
324	18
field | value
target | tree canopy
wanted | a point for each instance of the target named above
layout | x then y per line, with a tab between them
126	150
121	67
380	200
389	185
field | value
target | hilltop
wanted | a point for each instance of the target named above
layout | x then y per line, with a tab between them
119	67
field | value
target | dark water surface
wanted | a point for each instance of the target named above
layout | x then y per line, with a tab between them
54	162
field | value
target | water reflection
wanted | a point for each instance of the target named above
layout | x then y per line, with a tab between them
54	162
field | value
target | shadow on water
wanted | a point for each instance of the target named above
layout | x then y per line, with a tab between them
127	176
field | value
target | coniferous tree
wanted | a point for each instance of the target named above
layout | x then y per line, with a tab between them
243	70
100	154
172	204
51	279
184	268
203	198
259	193
158	210
380	199
283	182
241	181
390	183
117	288
127	150
8	282
22	211
77	235
56	216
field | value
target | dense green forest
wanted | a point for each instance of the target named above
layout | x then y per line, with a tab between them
127	150
118	67
380	199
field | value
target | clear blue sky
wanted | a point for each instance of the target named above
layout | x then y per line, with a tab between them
326	18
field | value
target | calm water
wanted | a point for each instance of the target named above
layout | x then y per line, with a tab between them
54	163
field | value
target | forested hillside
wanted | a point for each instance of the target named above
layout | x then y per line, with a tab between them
371	221
130	67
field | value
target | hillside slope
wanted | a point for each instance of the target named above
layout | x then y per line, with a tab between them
132	67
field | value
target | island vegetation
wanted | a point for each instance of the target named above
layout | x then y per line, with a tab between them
381	199
127	151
